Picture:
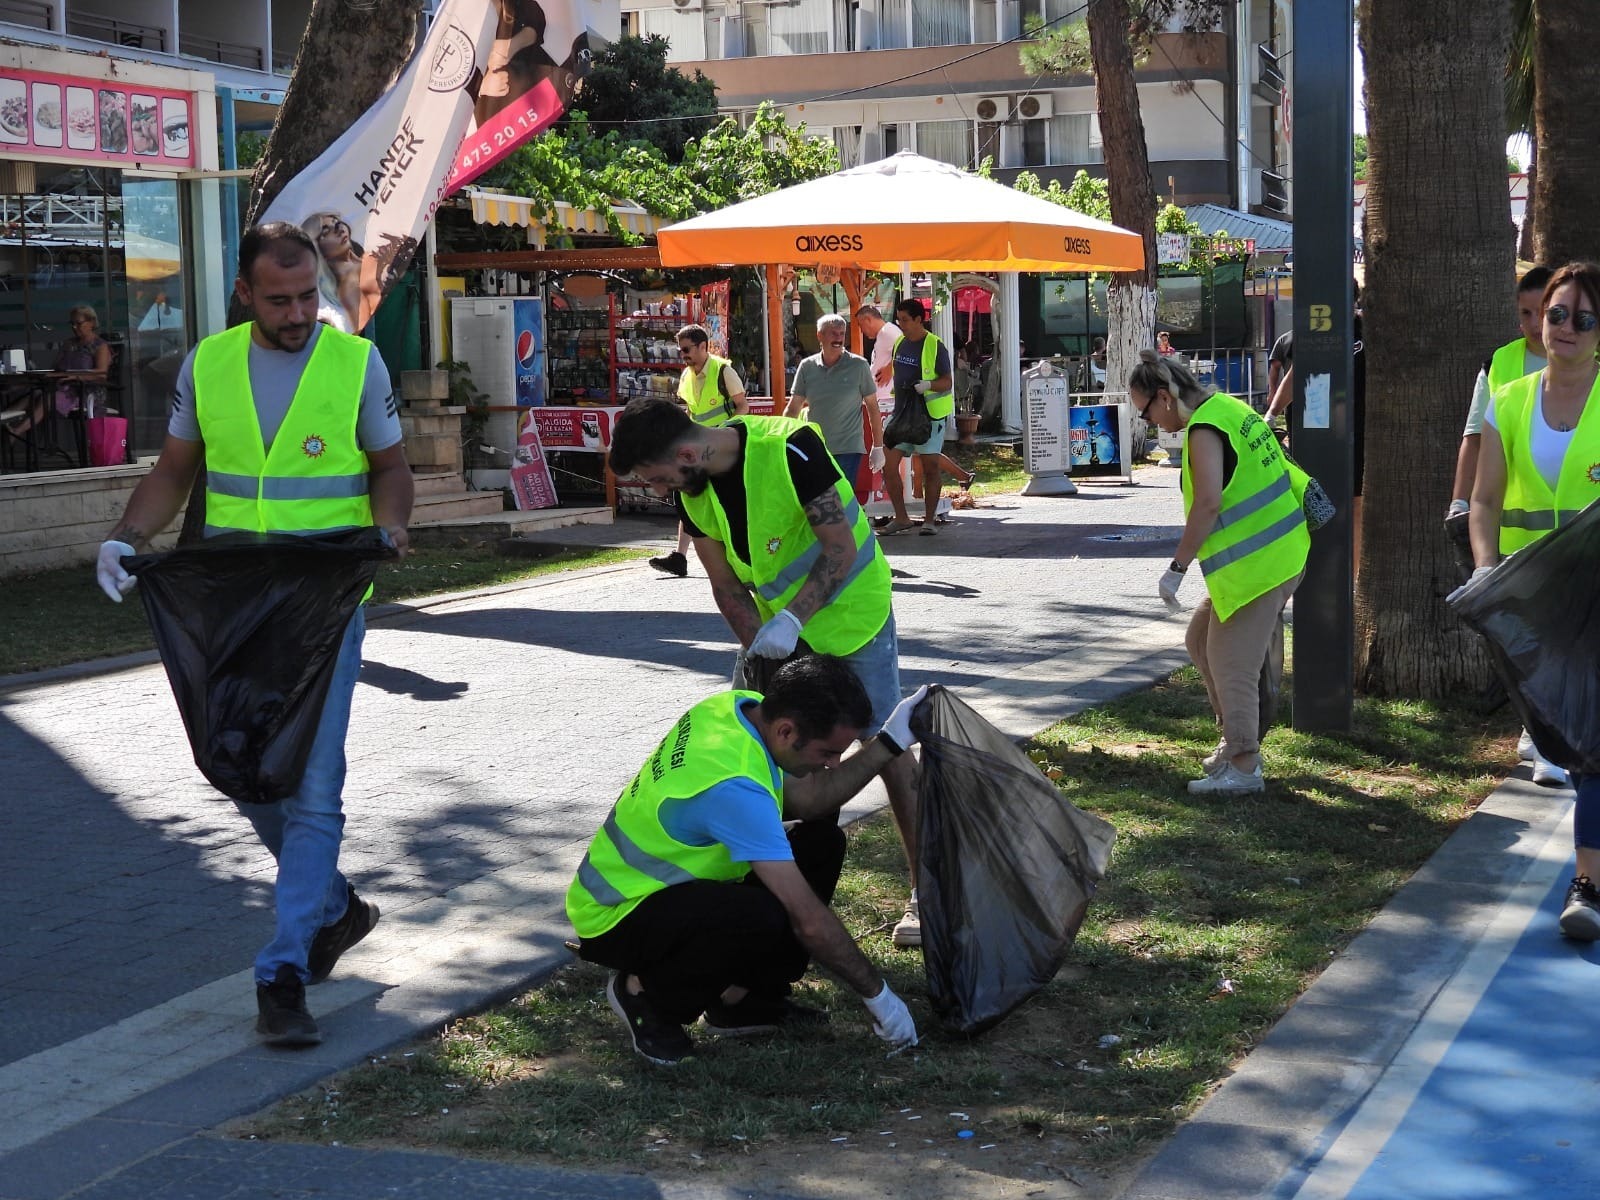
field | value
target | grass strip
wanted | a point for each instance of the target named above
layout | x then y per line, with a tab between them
1216	914
61	616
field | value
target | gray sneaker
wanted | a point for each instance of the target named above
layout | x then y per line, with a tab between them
1580	919
1229	781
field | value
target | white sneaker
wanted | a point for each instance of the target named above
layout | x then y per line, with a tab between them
1547	773
1525	750
1228	781
908	930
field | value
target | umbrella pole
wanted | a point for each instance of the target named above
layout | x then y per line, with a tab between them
775	339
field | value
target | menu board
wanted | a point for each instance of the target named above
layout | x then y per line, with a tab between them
69	116
1044	423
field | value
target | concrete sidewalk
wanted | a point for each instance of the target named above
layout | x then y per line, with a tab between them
489	736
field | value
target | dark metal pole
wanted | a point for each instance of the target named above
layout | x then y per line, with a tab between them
1324	251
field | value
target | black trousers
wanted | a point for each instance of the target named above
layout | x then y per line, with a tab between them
690	942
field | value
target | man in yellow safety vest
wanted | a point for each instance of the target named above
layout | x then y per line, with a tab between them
297	427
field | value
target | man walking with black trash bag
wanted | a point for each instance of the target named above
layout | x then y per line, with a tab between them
790	557
299	433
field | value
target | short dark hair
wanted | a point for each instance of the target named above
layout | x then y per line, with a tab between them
870	310
1534	279
646	432
1585	274
695	333
912	307
819	693
284	240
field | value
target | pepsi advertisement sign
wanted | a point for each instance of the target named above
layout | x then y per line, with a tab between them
528	341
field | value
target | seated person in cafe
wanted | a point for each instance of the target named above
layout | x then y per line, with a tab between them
82	364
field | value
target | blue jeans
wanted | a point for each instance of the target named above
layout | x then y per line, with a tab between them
303	831
1586	812
876	665
850	466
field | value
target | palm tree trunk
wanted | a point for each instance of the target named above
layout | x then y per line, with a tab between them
1439	268
1566	96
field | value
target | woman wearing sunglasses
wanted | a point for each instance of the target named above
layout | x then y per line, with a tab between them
1538	468
1244	525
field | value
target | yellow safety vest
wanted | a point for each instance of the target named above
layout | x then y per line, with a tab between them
1260	539
940	404
708	406
314	479
632	856
785	547
1531	509
1509	362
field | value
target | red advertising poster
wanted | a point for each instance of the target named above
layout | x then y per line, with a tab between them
563	428
714	306
94	119
531	483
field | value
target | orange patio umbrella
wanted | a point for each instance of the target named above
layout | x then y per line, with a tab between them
902	213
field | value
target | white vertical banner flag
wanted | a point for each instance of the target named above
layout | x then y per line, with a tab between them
482	83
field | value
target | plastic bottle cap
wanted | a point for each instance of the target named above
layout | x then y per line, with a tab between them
964	1133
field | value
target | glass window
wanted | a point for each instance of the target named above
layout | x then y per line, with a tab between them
800	27
946	141
158	320
1074	139
941	23
685	32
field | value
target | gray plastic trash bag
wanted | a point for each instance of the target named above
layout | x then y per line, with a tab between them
1007	867
249	627
1539	612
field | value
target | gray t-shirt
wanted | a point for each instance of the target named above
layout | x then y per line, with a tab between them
274	376
833	398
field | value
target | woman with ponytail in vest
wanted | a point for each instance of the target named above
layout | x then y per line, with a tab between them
1244	525
1538	468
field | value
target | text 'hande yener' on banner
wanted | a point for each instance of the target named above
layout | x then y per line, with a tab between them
485	79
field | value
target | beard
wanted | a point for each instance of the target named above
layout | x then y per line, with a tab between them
695	480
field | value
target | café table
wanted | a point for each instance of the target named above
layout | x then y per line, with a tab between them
25	393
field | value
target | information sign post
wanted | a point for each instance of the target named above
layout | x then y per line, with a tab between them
1045	453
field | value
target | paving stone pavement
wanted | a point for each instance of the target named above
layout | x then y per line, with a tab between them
489	736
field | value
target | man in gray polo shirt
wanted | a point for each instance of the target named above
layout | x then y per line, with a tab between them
837	387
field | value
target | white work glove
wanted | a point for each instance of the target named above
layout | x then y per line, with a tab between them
921	385
1171	581
898	727
891	1019
1477	574
1457	507
777	638
875	459
108	572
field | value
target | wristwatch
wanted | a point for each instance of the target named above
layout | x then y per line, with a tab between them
1174	566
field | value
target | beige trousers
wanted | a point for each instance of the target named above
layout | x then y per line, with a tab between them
1229	654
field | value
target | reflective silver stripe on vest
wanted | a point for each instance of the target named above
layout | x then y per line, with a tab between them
712	416
293	487
218	530
1279	528
659	869
595	884
801	566
1235	513
1537	518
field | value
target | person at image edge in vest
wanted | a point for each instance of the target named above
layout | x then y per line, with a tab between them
1244	525
693	893
921	364
712	392
1522	356
1538	468
788	553
328	425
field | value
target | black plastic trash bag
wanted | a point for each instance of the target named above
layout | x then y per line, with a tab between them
1006	867
1539	612
249	627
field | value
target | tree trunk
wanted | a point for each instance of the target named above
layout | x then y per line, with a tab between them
1527	236
347	57
1439	269
1566	76
1130	295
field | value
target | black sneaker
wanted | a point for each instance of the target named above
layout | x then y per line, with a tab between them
333	940
755	1015
1580	918
671	564
281	1016
657	1039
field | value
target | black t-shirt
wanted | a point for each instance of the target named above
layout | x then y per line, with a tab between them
810	468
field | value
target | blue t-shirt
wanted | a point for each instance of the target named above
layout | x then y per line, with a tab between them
739	813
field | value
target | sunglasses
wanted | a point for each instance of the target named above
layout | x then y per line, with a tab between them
1148	405
1583	320
685	351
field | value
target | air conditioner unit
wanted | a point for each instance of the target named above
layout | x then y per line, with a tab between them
994	108
1035	107
687	6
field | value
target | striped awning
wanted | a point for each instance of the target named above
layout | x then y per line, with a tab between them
491	207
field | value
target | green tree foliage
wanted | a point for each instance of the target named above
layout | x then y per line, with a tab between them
632	92
1358	153
1085	194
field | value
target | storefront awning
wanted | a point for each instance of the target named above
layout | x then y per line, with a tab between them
491	207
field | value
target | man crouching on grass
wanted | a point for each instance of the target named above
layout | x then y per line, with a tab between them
696	896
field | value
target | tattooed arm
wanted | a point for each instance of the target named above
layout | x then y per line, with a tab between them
733	599
838	546
160	494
